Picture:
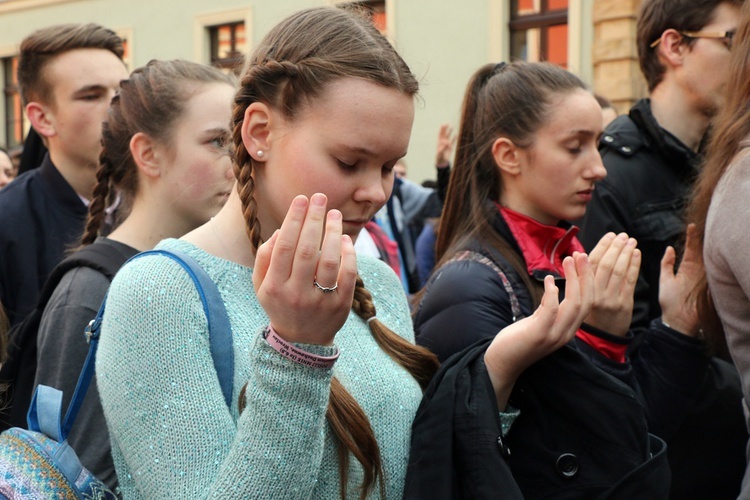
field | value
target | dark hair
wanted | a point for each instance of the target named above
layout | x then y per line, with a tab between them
657	16
43	45
604	103
150	101
731	126
505	100
290	67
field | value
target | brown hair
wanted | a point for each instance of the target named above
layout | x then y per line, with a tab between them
291	66
150	101
657	16
43	45
731	125
503	100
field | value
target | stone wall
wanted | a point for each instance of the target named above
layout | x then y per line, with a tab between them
614	54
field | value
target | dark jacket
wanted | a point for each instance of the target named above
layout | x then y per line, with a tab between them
661	381
598	448
649	177
41	217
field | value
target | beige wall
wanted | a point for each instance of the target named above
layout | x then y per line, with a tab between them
444	41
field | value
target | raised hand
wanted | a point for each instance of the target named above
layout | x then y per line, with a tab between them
678	303
616	262
552	325
292	261
446	141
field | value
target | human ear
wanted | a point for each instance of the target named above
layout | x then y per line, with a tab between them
506	155
671	48
256	127
41	119
146	155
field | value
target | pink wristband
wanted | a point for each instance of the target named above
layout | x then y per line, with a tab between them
296	354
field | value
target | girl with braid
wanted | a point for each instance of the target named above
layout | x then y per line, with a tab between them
165	156
326	376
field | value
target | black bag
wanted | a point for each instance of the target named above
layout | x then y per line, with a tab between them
19	369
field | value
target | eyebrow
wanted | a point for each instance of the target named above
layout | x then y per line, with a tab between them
364	151
584	132
217	130
90	88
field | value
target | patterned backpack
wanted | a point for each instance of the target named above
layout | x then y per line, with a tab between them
38	463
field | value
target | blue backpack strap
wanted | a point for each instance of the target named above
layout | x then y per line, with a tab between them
43	417
219	328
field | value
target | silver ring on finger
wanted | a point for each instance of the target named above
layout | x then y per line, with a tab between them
325	289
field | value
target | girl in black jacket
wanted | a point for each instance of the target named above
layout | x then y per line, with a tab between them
576	412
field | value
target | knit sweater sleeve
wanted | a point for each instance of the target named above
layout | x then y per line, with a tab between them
170	427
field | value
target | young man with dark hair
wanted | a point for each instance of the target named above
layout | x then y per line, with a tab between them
68	75
652	156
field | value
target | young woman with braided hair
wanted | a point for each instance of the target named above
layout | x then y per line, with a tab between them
164	155
326	376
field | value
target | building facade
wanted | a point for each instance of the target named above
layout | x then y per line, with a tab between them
443	41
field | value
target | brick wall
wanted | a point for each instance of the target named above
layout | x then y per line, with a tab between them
615	58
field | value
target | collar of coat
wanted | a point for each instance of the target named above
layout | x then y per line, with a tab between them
543	247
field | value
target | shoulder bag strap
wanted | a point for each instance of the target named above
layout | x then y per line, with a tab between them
471	255
220	339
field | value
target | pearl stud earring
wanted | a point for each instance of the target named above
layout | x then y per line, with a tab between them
260	153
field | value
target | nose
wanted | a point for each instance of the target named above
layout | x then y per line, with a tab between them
596	170
374	189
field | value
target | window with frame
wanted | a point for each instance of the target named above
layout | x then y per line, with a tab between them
539	31
226	41
15	125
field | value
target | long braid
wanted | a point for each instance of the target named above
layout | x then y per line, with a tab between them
421	363
97	207
285	74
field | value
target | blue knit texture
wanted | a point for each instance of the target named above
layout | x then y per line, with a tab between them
173	435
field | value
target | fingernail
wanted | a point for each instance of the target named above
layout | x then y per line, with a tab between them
631	242
622	236
334	215
318	200
300	201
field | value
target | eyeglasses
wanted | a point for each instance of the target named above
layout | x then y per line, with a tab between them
725	36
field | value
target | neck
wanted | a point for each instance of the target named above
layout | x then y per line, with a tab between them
671	108
142	231
81	178
225	235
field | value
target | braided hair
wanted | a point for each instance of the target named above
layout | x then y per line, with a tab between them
292	66
150	101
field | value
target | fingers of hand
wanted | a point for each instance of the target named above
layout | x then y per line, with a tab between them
614	263
307	253
285	247
547	310
327	270
585	279
263	260
600	249
667	264
347	275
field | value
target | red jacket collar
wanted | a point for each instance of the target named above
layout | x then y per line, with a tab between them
543	247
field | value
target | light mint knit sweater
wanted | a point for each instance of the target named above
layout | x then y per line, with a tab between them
172	433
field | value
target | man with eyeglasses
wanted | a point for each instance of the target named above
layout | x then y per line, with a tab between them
652	156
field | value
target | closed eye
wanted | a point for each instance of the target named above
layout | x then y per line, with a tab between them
345	166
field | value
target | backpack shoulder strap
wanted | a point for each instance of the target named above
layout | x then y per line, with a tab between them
219	332
99	256
471	255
